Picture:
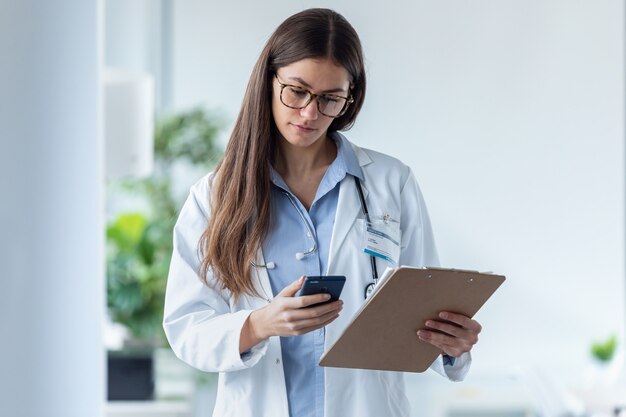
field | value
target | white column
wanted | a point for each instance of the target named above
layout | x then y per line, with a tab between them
51	211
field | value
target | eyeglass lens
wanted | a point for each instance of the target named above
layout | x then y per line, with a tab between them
298	98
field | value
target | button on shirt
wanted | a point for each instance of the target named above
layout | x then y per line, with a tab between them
294	230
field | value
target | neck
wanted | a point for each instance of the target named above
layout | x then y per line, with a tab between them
298	161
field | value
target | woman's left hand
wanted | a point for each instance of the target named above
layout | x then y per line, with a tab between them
454	334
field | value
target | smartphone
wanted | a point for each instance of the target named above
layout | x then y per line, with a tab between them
329	284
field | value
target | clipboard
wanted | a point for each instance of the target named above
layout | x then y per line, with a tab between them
382	335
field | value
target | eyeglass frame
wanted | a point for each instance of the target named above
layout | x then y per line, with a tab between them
349	100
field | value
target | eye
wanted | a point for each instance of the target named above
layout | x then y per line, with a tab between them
331	99
298	92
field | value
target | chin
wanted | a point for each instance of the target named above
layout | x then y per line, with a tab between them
300	142
302	139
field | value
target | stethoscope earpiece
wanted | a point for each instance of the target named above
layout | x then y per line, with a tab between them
269	265
301	255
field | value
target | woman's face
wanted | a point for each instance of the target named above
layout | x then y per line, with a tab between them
304	127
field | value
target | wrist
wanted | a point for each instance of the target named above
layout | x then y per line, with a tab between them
248	337
256	329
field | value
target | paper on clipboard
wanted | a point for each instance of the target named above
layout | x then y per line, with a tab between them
382	334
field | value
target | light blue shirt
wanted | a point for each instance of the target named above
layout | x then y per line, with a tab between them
287	236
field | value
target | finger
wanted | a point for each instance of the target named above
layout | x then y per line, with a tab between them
317	325
299	302
455	348
461	320
318	321
299	314
320	326
451	350
441	338
309	300
446	327
453	330
435	343
291	289
327	307
451	345
305	301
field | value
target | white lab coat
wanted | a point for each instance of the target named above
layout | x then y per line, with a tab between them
203	324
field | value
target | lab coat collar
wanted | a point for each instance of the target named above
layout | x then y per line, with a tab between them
362	156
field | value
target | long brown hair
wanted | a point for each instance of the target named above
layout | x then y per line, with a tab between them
240	198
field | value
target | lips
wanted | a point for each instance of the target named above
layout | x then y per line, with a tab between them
303	128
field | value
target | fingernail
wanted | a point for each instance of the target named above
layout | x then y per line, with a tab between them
443	315
326	296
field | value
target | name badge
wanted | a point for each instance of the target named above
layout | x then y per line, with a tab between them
382	239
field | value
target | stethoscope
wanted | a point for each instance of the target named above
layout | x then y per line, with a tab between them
369	287
300	255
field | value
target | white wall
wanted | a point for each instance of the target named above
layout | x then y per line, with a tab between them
51	240
520	149
134	41
511	114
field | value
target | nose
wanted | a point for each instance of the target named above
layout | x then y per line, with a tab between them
310	111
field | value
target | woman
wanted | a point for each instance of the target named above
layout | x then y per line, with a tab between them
284	203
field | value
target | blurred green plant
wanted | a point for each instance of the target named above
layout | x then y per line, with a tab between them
604	351
139	245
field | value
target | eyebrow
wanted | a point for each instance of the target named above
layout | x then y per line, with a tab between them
304	83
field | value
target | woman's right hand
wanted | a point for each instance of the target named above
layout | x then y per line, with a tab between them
288	315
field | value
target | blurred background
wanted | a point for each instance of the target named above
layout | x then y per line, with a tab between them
510	113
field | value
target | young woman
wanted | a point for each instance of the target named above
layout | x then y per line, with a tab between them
289	199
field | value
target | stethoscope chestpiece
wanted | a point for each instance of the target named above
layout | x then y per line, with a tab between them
369	288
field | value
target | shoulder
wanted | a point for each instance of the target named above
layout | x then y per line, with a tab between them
202	187
380	164
367	156
200	193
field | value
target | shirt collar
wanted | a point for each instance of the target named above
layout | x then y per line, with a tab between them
346	162
346	156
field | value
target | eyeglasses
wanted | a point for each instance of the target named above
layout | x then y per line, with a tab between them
329	105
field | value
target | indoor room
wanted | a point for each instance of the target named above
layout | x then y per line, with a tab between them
509	114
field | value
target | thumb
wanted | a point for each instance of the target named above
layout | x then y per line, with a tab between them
291	289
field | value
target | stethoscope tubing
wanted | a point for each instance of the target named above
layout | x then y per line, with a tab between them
301	255
369	287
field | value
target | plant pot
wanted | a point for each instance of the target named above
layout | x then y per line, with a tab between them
130	375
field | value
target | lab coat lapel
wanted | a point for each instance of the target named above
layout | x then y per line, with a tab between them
348	209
